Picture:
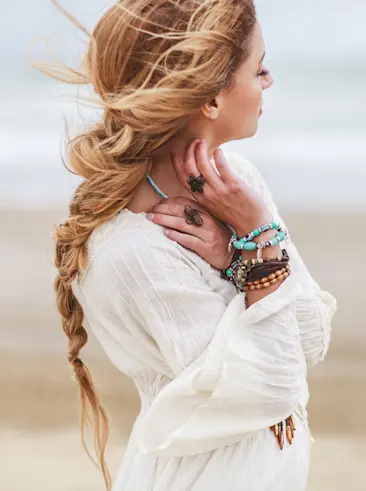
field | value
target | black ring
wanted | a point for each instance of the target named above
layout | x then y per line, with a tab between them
196	183
193	217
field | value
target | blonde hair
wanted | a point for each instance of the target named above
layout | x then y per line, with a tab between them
153	64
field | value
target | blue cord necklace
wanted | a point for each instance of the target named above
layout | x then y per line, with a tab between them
151	181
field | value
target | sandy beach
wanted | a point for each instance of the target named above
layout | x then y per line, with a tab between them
40	447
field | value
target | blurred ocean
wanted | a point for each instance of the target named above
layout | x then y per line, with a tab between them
311	143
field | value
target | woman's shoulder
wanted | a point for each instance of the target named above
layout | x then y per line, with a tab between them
129	238
124	222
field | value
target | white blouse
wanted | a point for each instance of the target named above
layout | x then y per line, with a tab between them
212	375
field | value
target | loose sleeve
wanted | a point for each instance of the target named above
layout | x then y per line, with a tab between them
315	307
235	370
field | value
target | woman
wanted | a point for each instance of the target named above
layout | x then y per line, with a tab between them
220	365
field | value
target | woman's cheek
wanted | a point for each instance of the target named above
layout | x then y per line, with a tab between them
257	99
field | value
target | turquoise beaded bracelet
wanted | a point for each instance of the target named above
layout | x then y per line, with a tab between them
247	243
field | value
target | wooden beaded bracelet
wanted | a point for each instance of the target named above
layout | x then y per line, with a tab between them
275	278
262	271
270	277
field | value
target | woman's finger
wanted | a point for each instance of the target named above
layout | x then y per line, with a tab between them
175	206
190	242
206	168
168	209
190	164
177	223
222	166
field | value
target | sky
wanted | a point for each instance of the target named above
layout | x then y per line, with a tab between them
317	28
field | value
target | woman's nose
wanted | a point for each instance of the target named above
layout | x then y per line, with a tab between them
269	81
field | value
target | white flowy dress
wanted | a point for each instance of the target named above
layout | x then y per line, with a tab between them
212	375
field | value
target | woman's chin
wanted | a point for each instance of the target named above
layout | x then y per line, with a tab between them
253	132
246	133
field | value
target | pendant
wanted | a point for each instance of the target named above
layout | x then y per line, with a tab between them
288	427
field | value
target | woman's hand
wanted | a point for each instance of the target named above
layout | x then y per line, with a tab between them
210	240
225	196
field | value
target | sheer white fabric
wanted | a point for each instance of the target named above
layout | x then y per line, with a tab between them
212	375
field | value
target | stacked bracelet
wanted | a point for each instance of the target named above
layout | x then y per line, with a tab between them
247	243
241	272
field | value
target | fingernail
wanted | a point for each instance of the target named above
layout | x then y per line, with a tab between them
150	216
166	232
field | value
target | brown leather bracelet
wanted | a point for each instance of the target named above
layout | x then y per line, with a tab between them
241	270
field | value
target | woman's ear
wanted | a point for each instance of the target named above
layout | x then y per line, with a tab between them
210	110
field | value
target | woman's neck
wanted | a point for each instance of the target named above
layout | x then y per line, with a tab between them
164	175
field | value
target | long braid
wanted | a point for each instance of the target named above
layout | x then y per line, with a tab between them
67	261
71	256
